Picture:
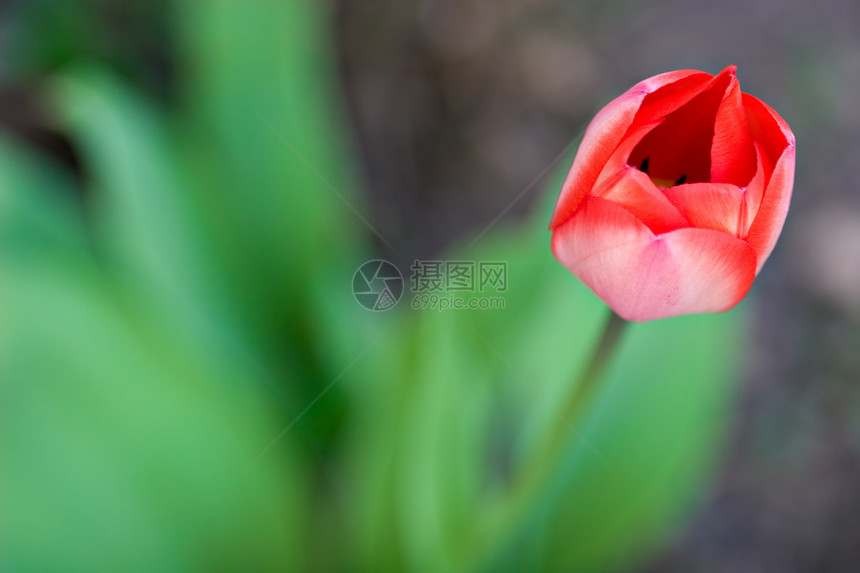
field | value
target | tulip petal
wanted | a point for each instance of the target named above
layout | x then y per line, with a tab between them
643	277
733	157
670	97
777	140
722	206
768	128
635	191
602	137
715	206
755	190
771	214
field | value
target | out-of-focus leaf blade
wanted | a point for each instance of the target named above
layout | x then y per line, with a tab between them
259	80
268	153
118	454
378	386
40	219
146	225
475	389
441	446
657	421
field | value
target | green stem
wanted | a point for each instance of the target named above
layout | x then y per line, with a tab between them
538	468
593	373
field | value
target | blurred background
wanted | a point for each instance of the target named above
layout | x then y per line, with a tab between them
443	123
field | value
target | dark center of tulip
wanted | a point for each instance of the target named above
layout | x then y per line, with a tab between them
678	150
661	183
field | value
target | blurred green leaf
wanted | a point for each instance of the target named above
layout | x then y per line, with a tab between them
259	86
658	421
378	386
441	443
49	35
118	454
38	213
146	226
130	38
271	173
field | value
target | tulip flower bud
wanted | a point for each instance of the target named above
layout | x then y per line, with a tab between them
676	196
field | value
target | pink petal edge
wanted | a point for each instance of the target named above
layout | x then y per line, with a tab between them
646	277
772	212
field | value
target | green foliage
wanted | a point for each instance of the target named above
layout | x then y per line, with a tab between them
119	452
159	337
479	390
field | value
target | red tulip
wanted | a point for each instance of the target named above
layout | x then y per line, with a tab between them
676	196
